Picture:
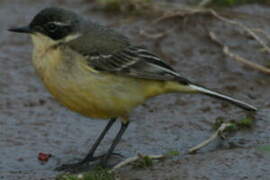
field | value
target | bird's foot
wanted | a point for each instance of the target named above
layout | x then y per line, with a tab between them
74	167
84	164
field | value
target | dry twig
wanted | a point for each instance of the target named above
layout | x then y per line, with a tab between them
183	11
245	61
218	133
204	3
153	36
244	27
263	32
134	159
238	58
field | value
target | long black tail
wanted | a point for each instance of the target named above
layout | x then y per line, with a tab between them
209	92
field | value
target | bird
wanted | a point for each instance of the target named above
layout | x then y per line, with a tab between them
99	73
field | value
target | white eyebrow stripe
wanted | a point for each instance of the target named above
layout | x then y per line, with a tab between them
60	23
71	37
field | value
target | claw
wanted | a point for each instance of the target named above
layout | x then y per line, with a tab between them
70	167
84	165
102	156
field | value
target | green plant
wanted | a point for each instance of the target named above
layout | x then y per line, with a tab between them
95	174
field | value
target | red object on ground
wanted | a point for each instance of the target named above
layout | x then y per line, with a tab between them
44	157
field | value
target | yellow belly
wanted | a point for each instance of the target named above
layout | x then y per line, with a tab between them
105	96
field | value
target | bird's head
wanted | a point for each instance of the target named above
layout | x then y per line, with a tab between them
56	24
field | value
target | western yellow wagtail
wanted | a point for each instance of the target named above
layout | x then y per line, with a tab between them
99	73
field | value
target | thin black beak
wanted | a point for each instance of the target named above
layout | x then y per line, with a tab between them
25	29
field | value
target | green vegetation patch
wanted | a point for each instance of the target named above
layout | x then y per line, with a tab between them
244	123
95	174
172	153
143	162
264	148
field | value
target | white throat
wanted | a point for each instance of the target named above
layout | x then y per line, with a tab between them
41	41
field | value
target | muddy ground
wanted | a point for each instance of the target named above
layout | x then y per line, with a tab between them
31	121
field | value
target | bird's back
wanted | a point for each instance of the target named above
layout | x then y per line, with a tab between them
98	39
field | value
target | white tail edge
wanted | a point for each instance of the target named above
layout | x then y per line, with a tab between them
224	97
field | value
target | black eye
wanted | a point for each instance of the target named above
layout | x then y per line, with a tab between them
51	27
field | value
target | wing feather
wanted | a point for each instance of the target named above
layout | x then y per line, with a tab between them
137	62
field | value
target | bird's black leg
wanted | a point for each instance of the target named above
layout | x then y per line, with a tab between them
116	140
90	156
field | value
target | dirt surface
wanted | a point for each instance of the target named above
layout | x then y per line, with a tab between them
31	121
